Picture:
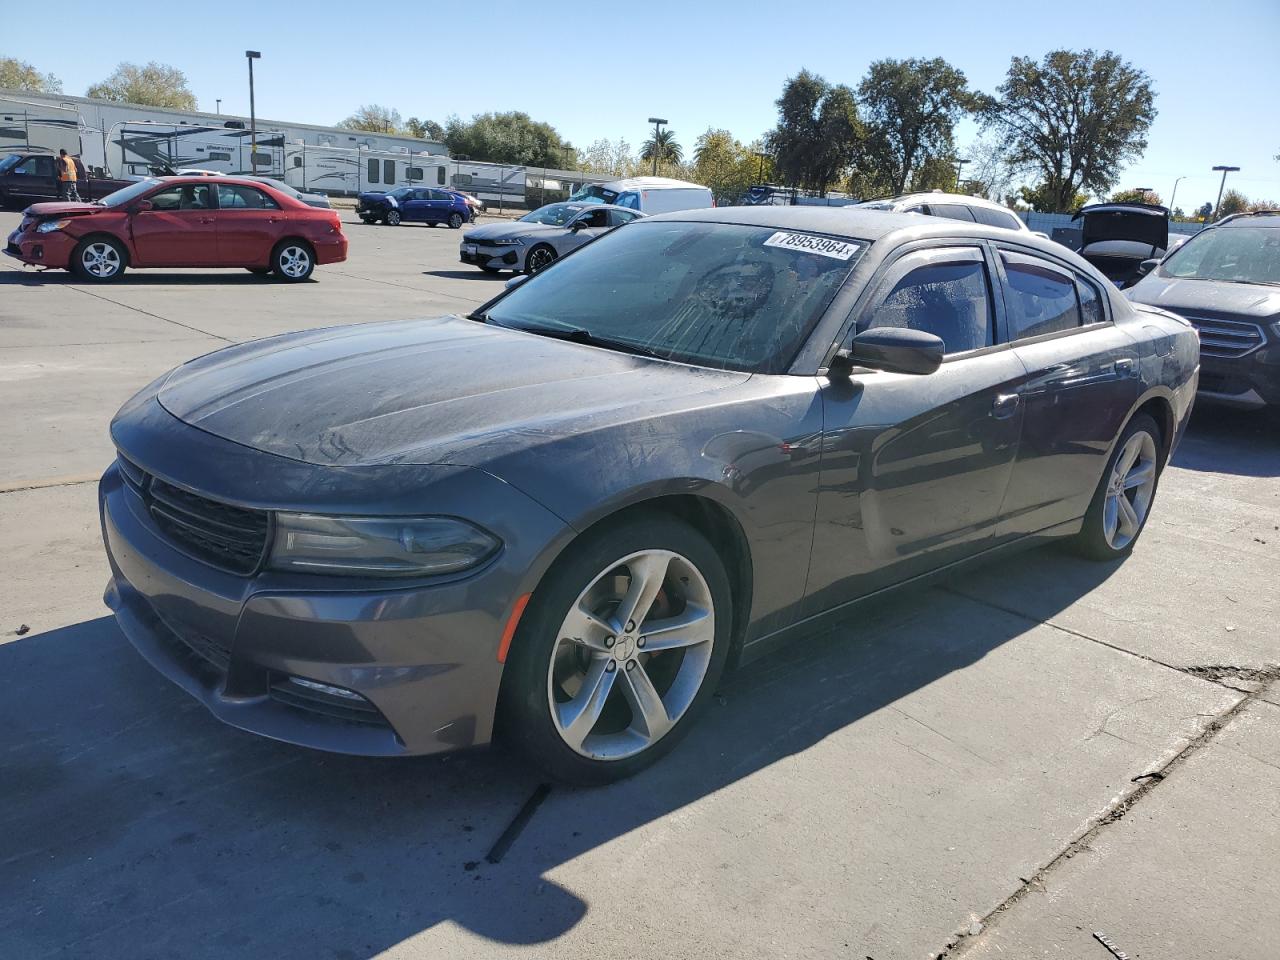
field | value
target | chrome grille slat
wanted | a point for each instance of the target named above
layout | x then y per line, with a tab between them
1228	339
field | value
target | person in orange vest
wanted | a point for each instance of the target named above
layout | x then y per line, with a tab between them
67	177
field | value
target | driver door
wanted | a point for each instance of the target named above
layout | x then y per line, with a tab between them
915	467
590	224
180	229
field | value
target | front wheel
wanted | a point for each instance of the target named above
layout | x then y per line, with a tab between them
539	259
393	218
619	650
368	219
293	261
98	259
1121	504
455	220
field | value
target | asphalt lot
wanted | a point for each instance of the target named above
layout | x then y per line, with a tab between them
995	767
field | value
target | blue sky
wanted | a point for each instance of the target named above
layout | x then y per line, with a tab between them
597	70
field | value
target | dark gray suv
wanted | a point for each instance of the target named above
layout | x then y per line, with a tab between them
684	443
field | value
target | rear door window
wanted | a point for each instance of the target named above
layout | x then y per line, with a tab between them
996	218
946	292
235	197
1040	298
952	211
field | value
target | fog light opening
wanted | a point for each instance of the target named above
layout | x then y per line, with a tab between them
326	688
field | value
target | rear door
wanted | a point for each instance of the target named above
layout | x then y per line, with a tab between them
180	229
1079	387
249	222
915	468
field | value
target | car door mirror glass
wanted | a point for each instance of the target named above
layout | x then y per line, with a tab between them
897	350
142	206
578	225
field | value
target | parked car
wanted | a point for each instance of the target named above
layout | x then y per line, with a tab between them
429	205
29	176
1117	237
540	237
956	206
1226	281
649	195
310	199
181	222
694	439
475	203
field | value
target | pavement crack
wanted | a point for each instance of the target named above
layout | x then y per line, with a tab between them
147	313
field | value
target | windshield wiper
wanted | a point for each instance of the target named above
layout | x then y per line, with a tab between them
587	338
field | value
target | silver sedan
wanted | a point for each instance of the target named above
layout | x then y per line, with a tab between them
541	237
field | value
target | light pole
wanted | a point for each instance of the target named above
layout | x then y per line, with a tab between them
657	124
960	162
252	55
1174	196
760	175
1225	170
219	107
1142	193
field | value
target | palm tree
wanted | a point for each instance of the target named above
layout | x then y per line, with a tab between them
663	146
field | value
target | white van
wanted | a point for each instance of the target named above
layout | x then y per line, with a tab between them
649	195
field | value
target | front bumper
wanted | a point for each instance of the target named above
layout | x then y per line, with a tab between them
41	249
415	665
495	258
1248	382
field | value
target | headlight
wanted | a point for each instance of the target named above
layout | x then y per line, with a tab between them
50	226
378	546
510	242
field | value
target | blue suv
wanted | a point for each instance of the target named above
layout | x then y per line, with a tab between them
414	205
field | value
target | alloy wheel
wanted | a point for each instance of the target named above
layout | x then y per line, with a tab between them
101	260
631	656
294	261
1129	490
539	260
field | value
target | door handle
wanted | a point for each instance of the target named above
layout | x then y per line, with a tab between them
1124	366
206	219
1005	405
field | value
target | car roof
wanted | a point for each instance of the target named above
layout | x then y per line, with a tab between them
1251	218
937	196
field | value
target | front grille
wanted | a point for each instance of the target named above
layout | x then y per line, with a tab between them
313	699
1227	338
231	538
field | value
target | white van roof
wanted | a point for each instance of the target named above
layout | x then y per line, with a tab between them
651	183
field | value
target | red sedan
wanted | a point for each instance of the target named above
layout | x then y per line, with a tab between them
181	222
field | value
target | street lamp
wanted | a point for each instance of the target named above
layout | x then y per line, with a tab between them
252	55
760	175
1142	193
219	108
1225	170
960	162
1174	196
657	124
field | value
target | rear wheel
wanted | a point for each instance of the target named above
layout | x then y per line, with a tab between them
98	259
293	261
619	650
1122	502
539	258
455	220
393	218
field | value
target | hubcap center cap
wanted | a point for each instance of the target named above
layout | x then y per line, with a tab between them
624	648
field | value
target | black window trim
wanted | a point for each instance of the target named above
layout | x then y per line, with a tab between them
1108	317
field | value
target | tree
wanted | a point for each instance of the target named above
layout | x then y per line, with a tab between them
1136	196
512	138
1045	199
608	158
373	118
424	129
1233	201
1073	120
663	147
20	75
155	85
725	165
1256	205
936	173
910	109
819	136
987	170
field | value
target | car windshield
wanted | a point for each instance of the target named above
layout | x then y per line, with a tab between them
12	160
594	193
126	194
1235	254
716	294
556	214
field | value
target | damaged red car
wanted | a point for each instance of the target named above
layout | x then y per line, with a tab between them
181	222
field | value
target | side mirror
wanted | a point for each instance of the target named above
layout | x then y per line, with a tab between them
579	225
515	281
142	206
1146	266
897	350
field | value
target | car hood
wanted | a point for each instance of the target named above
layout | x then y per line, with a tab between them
446	390
506	231
63	209
1256	301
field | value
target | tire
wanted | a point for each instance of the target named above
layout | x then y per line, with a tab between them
392	218
559	654
539	258
456	221
293	261
369	219
99	260
1111	528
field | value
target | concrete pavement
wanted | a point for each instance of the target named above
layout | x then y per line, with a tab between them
979	768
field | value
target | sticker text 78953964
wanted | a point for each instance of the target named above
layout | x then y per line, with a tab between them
822	246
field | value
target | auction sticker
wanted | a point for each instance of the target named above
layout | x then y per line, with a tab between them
822	246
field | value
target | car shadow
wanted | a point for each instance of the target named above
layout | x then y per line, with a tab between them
476	274
137	278
134	818
1221	439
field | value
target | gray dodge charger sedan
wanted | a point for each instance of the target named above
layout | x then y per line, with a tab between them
563	517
